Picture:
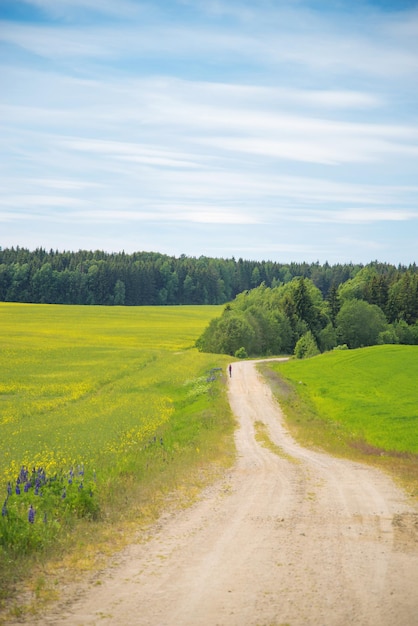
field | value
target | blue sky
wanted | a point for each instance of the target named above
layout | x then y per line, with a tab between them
267	130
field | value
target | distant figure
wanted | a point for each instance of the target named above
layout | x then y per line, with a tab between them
230	370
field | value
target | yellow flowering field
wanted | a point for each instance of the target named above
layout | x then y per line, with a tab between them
82	384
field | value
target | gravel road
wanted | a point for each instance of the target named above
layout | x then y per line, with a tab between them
298	539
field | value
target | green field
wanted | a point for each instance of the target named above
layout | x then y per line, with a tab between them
366	398
117	399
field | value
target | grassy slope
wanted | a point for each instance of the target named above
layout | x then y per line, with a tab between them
361	403
95	385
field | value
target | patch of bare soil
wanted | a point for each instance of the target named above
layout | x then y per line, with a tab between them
317	541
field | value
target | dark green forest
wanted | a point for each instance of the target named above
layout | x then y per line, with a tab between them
150	278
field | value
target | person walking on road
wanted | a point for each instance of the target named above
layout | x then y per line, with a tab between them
230	370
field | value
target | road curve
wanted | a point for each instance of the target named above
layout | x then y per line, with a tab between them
299	539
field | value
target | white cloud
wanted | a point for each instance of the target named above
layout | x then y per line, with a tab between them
367	215
65	185
358	215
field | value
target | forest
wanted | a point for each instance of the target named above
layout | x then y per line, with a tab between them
295	318
151	278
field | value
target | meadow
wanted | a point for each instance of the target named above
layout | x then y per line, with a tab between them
360	403
103	412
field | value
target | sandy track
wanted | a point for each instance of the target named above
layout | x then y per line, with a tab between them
313	540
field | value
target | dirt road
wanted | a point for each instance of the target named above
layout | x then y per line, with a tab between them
306	540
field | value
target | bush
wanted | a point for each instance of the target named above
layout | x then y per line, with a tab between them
241	353
387	336
306	346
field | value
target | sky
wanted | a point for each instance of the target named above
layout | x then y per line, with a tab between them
269	130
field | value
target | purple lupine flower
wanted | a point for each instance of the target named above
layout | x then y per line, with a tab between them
17	490
9	488
31	515
27	486
64	494
80	486
4	508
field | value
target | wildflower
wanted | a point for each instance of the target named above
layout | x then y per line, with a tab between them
80	486
31	515
9	488
4	508
27	486
17	490
42	475
64	494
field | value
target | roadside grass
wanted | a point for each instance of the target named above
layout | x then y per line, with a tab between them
119	415
262	436
361	404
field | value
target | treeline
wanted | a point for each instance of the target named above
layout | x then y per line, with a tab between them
148	278
294	318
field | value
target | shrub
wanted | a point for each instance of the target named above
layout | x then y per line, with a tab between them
306	346
241	353
387	336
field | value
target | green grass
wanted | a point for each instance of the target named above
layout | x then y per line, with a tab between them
361	401
122	393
